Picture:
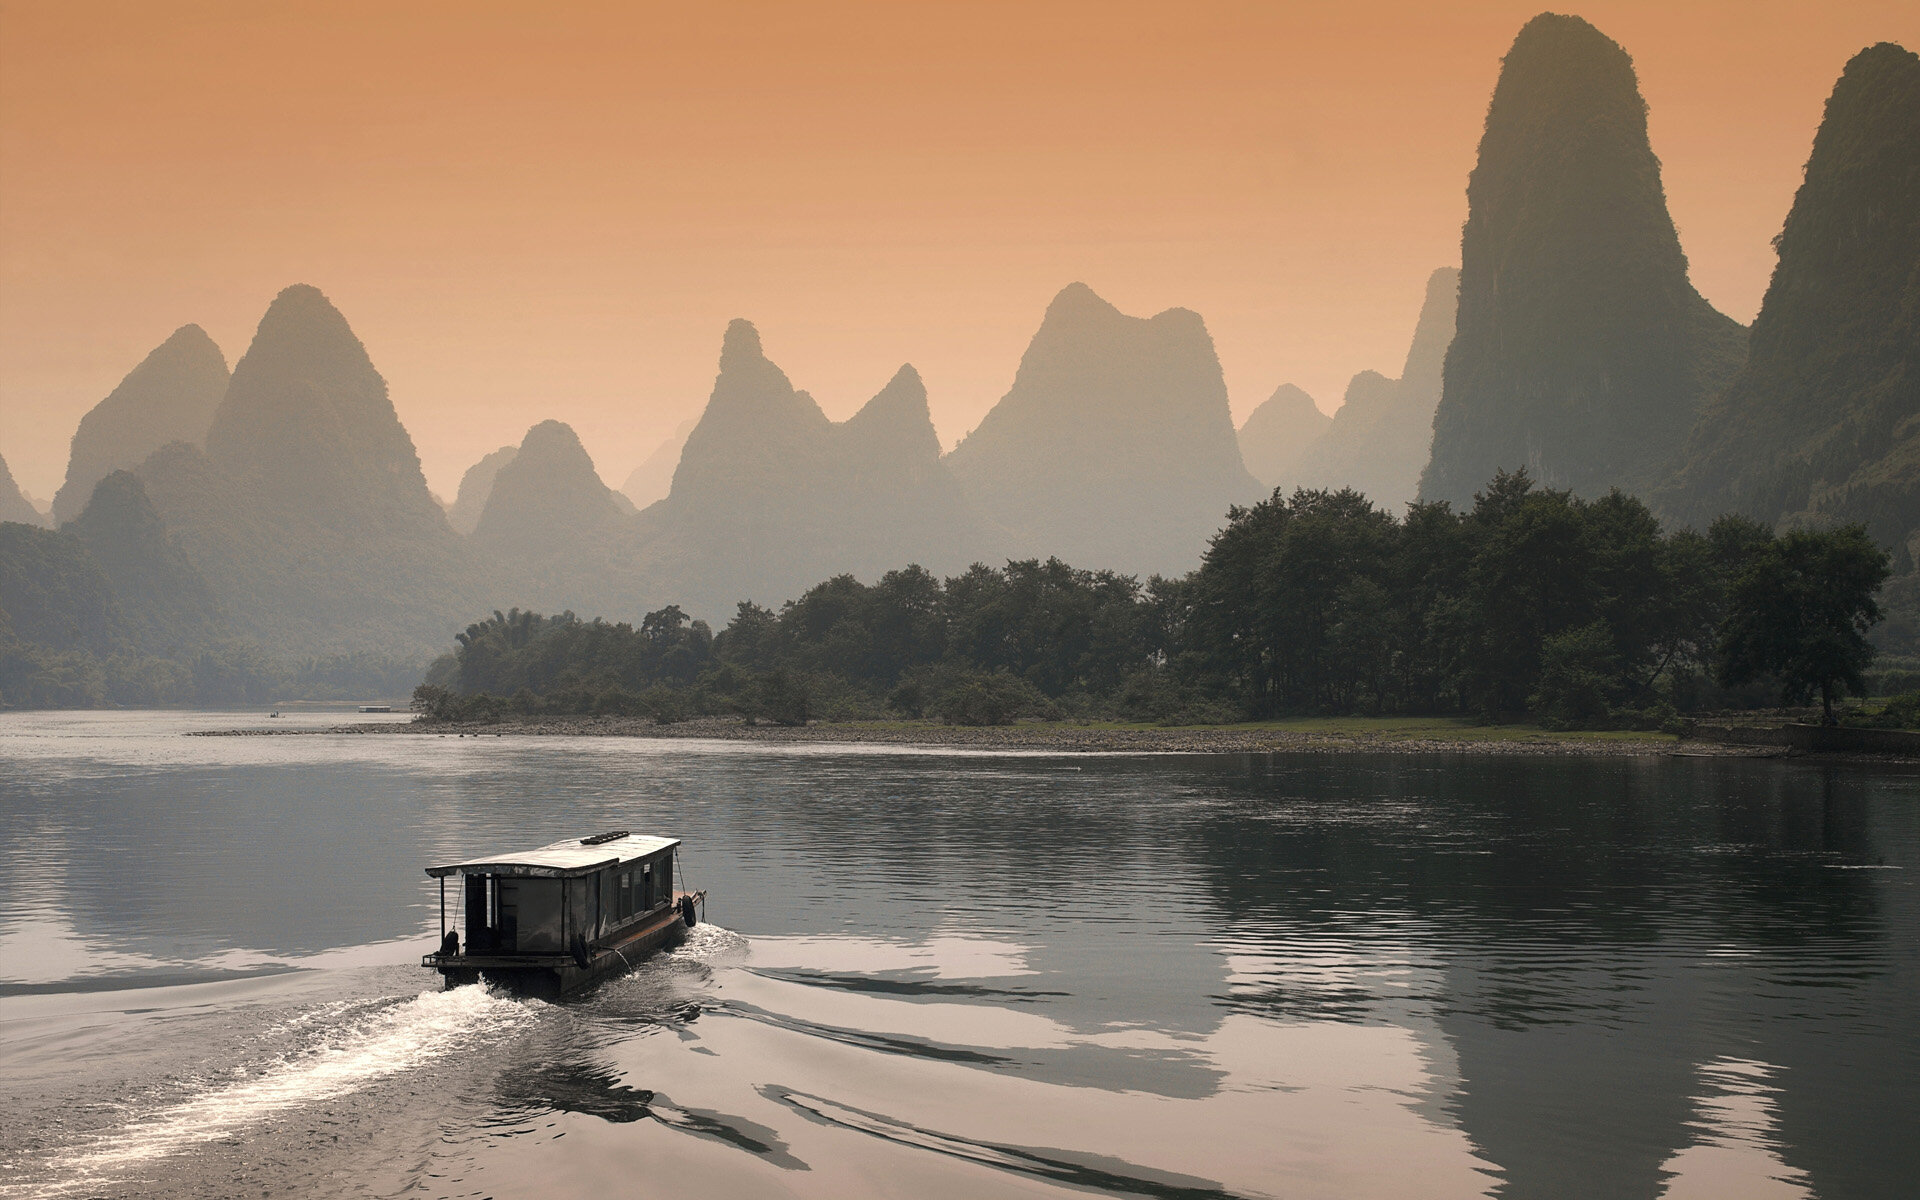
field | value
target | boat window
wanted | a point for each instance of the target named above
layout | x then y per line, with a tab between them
647	897
625	906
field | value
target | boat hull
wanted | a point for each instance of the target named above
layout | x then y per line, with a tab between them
551	976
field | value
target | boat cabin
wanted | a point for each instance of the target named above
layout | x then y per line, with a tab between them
560	909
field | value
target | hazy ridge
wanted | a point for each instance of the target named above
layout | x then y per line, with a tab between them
282	507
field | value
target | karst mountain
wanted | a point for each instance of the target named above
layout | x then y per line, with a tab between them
1582	352
650	482
475	486
1379	438
1823	423
1115	445
549	525
307	512
170	397
770	496
165	604
14	505
1277	433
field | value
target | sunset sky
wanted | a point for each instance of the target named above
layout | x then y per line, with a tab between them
551	210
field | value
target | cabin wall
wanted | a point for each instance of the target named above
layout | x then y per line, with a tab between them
531	908
582	913
626	893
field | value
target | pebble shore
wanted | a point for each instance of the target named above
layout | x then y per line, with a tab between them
1064	738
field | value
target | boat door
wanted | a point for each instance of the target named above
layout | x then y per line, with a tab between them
493	915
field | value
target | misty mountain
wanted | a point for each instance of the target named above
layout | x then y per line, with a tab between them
307	512
475	486
770	496
549	523
165	605
1823	422
1582	351
109	582
1114	447
53	596
1277	433
170	397
653	478
1380	437
14	505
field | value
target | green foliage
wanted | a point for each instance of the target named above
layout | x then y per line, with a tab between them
779	696
1800	611
1899	712
1579	679
1581	612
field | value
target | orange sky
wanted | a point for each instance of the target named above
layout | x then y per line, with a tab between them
551	210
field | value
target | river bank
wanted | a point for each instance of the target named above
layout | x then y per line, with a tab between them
1398	734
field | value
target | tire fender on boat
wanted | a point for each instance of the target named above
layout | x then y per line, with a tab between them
687	912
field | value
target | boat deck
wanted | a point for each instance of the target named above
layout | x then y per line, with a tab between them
560	972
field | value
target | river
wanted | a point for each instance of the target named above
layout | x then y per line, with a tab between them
944	974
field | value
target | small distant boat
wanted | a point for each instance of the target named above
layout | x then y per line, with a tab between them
550	921
376	708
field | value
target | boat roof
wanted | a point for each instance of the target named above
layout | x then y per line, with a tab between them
562	860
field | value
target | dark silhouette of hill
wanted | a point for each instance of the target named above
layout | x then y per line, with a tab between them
1380	437
1114	446
53	595
475	486
548	525
14	505
170	397
1277	433
165	605
653	478
1582	351
1821	422
109	582
307	513
770	495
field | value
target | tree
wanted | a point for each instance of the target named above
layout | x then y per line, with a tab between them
1800	611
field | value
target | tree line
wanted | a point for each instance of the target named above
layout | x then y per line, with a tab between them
1533	602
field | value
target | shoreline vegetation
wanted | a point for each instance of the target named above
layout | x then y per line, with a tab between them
1314	615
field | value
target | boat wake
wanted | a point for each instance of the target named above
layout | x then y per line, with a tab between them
711	944
344	1051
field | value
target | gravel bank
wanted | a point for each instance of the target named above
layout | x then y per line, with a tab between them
1065	738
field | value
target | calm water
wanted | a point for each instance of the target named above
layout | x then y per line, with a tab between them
937	974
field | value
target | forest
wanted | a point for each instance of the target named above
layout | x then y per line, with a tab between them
1532	603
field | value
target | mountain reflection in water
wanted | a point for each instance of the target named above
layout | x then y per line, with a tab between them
947	974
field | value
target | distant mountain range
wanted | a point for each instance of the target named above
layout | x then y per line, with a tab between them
1115	446
170	397
1276	434
14	505
284	505
1378	440
653	478
475	486
307	511
770	496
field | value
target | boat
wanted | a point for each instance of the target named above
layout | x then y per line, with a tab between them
376	708
551	921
